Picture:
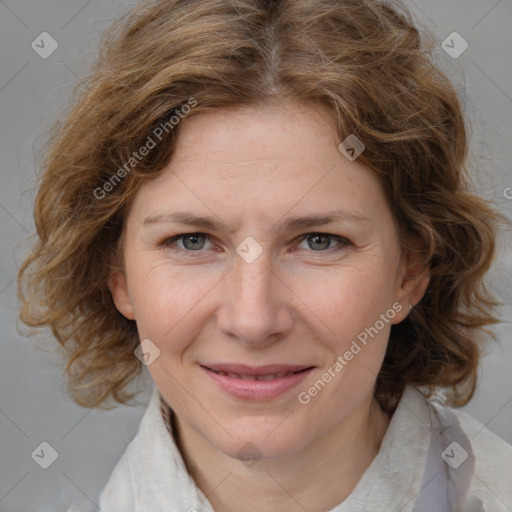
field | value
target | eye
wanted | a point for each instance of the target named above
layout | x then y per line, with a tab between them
319	242
196	242
190	242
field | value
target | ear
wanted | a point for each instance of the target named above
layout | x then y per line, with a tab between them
413	280
118	287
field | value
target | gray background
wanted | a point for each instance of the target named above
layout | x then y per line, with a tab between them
34	405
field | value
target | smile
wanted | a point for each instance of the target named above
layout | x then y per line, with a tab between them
257	377
257	384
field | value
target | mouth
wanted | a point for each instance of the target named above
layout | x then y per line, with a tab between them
246	372
271	376
256	383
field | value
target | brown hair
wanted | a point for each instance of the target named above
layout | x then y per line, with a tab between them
364	60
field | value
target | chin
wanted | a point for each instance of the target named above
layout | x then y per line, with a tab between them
252	443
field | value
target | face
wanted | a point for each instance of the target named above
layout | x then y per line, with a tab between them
261	244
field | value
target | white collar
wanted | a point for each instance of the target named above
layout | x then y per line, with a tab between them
151	475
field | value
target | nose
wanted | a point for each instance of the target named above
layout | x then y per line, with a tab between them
254	307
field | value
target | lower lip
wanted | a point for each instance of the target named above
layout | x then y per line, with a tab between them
257	389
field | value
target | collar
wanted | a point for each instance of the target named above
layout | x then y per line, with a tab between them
152	476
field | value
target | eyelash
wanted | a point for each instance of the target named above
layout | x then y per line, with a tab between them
168	243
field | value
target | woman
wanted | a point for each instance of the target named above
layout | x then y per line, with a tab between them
266	204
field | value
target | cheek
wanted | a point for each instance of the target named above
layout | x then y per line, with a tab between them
356	311
167	300
349	299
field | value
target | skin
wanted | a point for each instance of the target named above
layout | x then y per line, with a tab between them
302	301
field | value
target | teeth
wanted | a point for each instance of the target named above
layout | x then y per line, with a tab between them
255	377
265	377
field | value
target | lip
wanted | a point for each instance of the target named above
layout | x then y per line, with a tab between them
269	369
257	389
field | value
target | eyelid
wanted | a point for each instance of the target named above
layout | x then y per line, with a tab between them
169	241
340	239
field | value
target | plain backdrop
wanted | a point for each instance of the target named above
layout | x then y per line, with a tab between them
34	404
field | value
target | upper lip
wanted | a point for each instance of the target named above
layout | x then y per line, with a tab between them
269	369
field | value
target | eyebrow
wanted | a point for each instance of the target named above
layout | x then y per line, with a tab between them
210	223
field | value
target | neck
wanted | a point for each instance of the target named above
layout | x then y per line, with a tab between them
316	478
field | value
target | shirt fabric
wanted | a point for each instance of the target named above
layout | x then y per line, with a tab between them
432	459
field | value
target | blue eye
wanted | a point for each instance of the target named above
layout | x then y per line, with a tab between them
195	242
319	242
190	241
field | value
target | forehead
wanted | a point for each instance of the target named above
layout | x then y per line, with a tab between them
260	127
260	160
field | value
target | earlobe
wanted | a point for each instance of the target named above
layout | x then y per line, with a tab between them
118	287
417	286
413	285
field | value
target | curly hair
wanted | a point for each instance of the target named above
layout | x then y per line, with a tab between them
367	62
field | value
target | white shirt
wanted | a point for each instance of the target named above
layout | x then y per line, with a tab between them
151	475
